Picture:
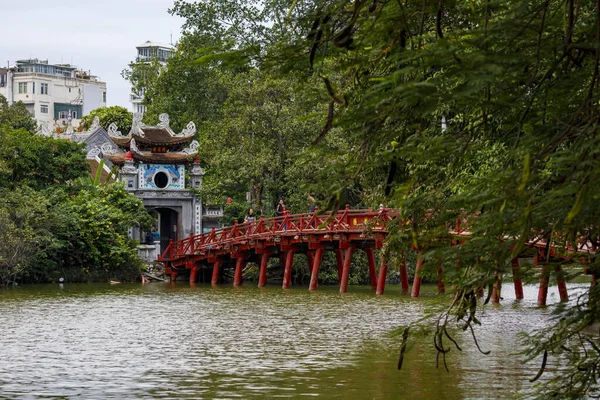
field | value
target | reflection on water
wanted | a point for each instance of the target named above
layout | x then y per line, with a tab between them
163	341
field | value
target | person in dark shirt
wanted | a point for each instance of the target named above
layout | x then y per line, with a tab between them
154	236
280	209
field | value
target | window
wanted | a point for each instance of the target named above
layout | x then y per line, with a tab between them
161	180
43	88
44	108
74	114
22	87
33	87
104	97
63	114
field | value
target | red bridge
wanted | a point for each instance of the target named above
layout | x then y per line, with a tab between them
343	233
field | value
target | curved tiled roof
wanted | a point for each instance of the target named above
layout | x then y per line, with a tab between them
152	158
146	136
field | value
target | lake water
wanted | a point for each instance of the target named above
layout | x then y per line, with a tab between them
175	341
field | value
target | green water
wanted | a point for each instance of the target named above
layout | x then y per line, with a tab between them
176	341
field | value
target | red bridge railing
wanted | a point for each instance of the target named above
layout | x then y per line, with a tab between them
288	225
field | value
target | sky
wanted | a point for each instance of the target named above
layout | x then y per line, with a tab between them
95	35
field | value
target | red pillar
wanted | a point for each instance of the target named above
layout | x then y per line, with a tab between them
404	276
372	271
262	276
516	270
193	274
497	287
346	270
440	281
340	262
239	266
314	277
416	289
174	276
310	257
287	274
543	290
382	275
562	285
215	274
544	280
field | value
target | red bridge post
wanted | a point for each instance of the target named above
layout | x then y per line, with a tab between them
264	259
562	285
516	270
239	266
215	273
372	271
310	257
544	279
193	272
416	288
346	270
314	277
382	275
287	273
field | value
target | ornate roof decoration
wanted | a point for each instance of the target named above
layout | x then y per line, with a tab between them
45	130
189	131
113	132
106	149
95	124
164	121
136	124
133	147
147	136
192	149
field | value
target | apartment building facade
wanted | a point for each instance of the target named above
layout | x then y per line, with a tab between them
146	52
52	93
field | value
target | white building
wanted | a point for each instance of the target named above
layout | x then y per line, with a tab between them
146	52
52	93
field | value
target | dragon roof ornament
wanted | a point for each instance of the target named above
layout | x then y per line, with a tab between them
164	121
95	124
190	130
193	149
133	147
113	132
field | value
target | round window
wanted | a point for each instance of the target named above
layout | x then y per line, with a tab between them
161	180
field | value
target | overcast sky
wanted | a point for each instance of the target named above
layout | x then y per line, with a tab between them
95	35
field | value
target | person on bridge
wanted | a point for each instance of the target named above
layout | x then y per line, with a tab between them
311	203
279	209
250	217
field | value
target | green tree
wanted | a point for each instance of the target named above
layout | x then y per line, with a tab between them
37	161
451	109
108	115
486	108
254	143
51	226
16	116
